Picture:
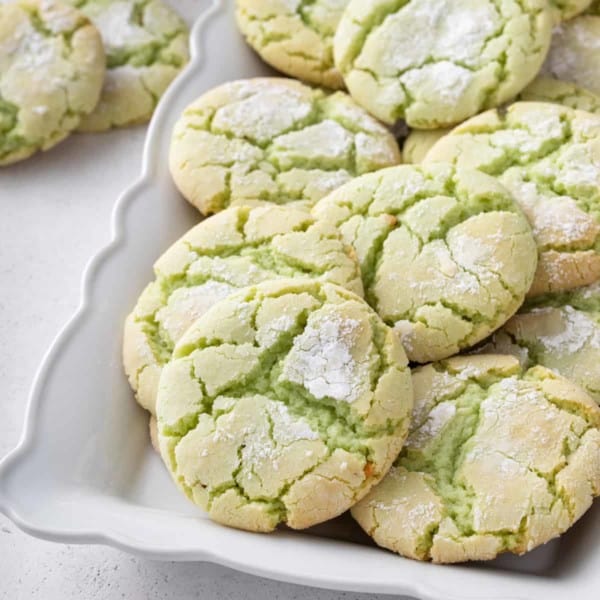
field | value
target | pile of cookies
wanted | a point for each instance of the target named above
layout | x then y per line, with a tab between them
85	65
415	342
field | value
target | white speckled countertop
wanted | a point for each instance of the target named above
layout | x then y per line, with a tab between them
46	238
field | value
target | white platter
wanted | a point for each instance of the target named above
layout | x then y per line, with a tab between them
84	471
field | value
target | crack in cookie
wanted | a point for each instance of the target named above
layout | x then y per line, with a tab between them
499	459
282	391
446	255
51	73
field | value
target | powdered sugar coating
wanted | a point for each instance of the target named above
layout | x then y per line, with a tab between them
560	332
437	62
321	360
575	53
507	460
237	248
285	402
446	256
548	89
146	46
51	72
548	156
273	140
294	36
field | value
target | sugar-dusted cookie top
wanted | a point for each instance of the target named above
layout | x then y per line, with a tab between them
294	36
548	156
284	403
548	89
146	46
558	331
51	72
238	247
542	89
446	255
273	140
575	52
437	62
499	459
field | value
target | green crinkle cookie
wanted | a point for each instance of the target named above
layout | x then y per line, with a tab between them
236	248
594	8
548	156
575	53
419	142
273	140
51	71
498	459
146	46
437	62
294	36
560	332
543	89
446	255
567	9
546	89
284	403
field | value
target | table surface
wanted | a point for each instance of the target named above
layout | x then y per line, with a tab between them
47	235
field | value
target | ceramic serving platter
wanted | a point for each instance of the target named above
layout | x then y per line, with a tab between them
84	471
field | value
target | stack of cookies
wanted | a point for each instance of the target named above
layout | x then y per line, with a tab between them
416	343
85	65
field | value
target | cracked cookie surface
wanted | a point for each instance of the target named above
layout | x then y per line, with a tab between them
548	156
294	36
446	255
542	89
498	459
285	403
51	71
437	62
558	331
273	140
146	45
236	248
547	89
575	53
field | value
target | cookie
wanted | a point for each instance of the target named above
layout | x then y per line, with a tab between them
438	62
284	403
547	89
594	8
560	332
273	140
294	37
238	247
575	53
146	46
51	72
548	156
542	89
446	255
419	142
567	9
498	459
153	430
